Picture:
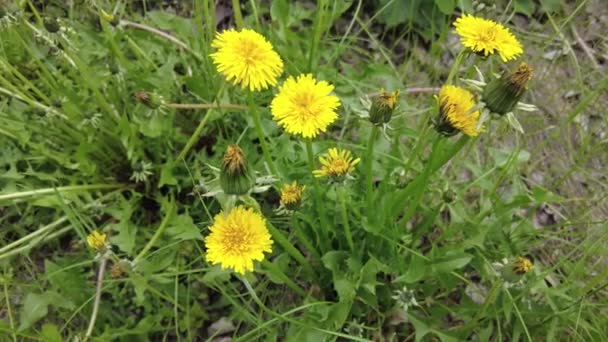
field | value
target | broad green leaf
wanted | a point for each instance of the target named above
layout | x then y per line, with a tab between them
35	307
451	262
526	7
182	227
446	6
279	11
166	175
50	333
416	270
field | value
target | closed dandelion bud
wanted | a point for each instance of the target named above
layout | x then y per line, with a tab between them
235	176
383	106
120	268
448	196
516	269
51	25
502	94
150	100
109	17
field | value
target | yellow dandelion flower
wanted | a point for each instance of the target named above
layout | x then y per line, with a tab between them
237	239
455	107
487	37
97	241
304	106
336	163
291	194
522	265
245	57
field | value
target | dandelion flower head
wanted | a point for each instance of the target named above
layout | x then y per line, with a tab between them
291	194
487	37
336	163
455	105
245	57
522	265
237	239
97	240
304	106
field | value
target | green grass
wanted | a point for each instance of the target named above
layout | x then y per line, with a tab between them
411	255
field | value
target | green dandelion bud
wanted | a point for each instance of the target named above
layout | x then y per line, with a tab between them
383	106
113	19
235	176
150	100
502	94
51	25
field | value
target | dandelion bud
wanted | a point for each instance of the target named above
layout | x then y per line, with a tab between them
109	17
502	94
383	106
517	268
291	195
51	25
120	268
235	176
151	100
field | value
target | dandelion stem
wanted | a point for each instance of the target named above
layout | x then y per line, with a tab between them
342	198
157	234
8	308
280	239
206	106
100	274
195	136
261	135
369	164
316	191
46	191
304	240
276	271
457	61
162	34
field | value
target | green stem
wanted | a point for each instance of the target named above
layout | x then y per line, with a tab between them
456	66
282	241
317	195
304	240
34	234
284	317
260	132
100	274
157	234
46	191
412	194
8	309
276	271
194	137
369	165
349	238
238	16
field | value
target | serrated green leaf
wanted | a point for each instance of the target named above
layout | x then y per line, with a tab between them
182	227
35	307
125	239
